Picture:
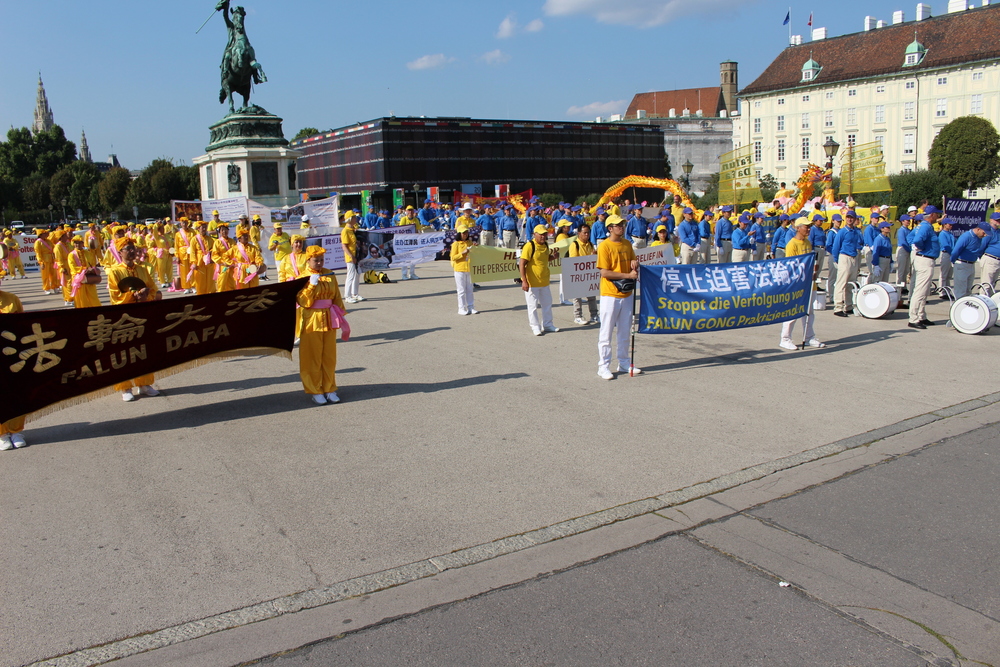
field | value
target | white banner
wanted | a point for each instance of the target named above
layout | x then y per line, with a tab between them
229	210
582	279
26	244
334	257
412	249
253	208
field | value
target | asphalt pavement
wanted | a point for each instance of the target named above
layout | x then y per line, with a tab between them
231	504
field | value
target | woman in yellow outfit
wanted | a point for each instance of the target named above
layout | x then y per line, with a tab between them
200	253
460	248
132	268
182	250
158	246
224	281
280	244
582	247
45	252
293	266
322	315
14	262
245	259
10	430
80	261
62	265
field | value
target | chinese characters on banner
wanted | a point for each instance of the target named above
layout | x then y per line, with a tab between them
54	356
712	297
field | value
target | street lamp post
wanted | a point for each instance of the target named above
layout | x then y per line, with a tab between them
64	209
687	167
416	195
830	148
50	214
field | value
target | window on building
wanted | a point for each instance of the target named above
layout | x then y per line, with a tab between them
976	104
853	92
757	151
781	150
756	125
807	75
879	89
942	108
829	95
805	148
781	123
758	172
907	168
912	58
908	143
909	110
852	139
942	80
977	76
852	116
805	98
910	85
781	100
881	141
756	104
879	113
828	118
973	193
805	121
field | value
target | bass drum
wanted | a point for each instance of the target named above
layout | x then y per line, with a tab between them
995	297
877	300
974	314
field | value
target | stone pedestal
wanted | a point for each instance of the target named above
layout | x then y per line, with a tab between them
249	157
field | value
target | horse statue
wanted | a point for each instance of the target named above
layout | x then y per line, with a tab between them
240	69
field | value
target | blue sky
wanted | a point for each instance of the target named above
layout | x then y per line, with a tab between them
142	84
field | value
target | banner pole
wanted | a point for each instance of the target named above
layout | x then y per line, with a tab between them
633	327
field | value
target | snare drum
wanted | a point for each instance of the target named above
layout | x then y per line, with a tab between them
877	300
974	314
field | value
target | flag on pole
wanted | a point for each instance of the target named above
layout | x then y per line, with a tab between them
788	17
810	20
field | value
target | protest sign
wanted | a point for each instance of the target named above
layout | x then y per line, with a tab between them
966	213
487	263
581	278
712	297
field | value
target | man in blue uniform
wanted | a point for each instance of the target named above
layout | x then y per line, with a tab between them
817	239
831	234
508	228
846	248
704	234
926	247
758	238
429	216
782	235
968	249
868	238
599	230
946	238
741	241
991	254
488	224
724	236
636	229
690	241
881	254
903	250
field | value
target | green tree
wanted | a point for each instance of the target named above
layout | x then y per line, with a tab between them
112	189
17	154
768	187
36	192
915	186
305	132
60	184
711	195
52	151
190	178
966	151
550	198
590	199
85	180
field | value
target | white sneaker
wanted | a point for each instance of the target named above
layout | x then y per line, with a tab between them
537	332
605	374
552	329
580	320
359	298
473	311
128	396
463	312
787	345
814	342
18	440
595	320
566	303
149	390
635	370
414	276
404	277
319	399
6	442
332	397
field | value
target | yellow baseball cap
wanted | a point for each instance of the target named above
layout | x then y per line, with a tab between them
541	229
614	220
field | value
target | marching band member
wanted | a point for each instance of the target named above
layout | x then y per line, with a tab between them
82	262
323	314
846	248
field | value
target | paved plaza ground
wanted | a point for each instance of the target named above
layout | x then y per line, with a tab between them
136	526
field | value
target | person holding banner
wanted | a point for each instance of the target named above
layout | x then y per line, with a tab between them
202	272
846	248
616	261
741	241
460	248
534	269
123	286
799	245
581	247
10	430
323	313
182	253
927	247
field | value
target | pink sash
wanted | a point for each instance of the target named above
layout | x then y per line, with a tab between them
217	267
247	276
338	318
78	278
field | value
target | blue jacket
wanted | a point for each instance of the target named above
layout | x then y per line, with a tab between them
487	223
968	247
756	234
688	233
831	236
817	237
871	231
947	241
782	235
903	239
598	231
925	241
704	229
429	218
636	227
881	247
508	223
848	242
723	231
741	239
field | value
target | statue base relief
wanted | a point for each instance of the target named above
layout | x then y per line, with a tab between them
248	156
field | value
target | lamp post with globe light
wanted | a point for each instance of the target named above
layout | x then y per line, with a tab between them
687	167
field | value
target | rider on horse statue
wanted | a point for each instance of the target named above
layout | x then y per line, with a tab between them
240	69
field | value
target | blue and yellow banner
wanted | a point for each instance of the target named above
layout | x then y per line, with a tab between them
712	297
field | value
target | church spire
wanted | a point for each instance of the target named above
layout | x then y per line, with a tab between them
43	114
84	149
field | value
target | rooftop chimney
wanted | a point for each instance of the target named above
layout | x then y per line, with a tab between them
796	40
818	34
957	6
898	17
672	113
640	113
869	23
923	12
880	24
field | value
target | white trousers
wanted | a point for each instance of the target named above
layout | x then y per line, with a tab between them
831	281
923	271
964	274
847	271
409	272
991	270
946	270
689	255
638	243
705	249
487	238
787	328
463	284
741	256
725	253
615	313
820	259
539	297
902	266
351	281
510	240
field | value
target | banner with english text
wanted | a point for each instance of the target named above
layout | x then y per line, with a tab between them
581	278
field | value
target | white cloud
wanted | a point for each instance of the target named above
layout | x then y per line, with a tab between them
507	27
599	108
429	62
495	57
641	13
534	26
